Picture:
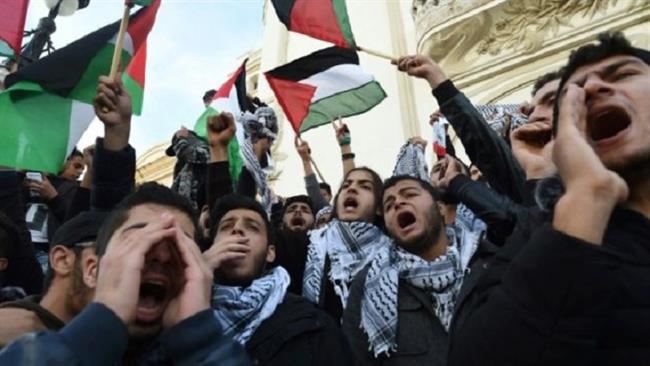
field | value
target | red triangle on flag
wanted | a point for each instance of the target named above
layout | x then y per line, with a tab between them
138	65
140	27
294	98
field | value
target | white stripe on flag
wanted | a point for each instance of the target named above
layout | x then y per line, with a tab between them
337	79
128	43
81	114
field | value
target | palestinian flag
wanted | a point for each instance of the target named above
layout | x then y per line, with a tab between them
326	20
12	22
230	97
327	84
48	104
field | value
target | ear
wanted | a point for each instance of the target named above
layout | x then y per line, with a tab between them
270	254
61	260
4	262
90	266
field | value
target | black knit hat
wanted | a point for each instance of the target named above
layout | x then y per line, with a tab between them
233	202
82	228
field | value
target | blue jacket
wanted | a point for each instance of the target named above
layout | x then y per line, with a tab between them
98	337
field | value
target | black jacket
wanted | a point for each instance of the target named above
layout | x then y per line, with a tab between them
561	301
298	334
291	254
421	338
484	146
23	270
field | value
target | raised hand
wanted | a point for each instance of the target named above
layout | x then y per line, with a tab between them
532	146
342	133
590	188
221	129
422	67
113	107
195	295
451	168
302	147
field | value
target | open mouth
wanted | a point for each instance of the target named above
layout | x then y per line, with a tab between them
151	303
405	219
607	123
297	221
350	203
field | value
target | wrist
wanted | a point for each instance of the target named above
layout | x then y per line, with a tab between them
219	153
435	79
346	149
347	156
116	137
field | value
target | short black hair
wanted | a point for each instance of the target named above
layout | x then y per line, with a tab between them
378	188
234	202
148	193
75	152
545	79
326	187
610	44
299	198
207	97
435	193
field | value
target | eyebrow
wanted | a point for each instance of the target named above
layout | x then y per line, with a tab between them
137	225
610	69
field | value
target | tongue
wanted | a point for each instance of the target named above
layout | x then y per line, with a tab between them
147	302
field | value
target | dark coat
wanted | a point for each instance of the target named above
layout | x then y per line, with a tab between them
556	300
23	270
298	334
484	147
421	338
98	337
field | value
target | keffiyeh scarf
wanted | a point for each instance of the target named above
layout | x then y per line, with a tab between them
252	164
350	246
411	161
241	310
440	278
502	118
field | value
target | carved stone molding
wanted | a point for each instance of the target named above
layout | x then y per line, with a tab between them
492	36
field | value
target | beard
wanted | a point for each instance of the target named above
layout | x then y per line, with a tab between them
428	237
80	294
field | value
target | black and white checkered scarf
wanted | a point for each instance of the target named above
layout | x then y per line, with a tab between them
411	161
440	278
240	310
350	246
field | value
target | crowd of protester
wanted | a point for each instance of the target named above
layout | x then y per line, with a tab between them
534	252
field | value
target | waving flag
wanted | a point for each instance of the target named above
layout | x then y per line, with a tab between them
327	84
230	97
326	20
12	22
48	104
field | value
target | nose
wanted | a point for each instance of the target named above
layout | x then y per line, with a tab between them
237	228
595	86
160	253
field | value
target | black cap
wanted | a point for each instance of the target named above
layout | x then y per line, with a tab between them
81	228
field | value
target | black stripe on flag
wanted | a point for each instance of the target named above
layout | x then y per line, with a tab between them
60	72
283	10
315	63
240	87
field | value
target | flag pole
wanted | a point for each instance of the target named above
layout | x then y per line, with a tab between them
311	159
377	53
119	43
320	175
